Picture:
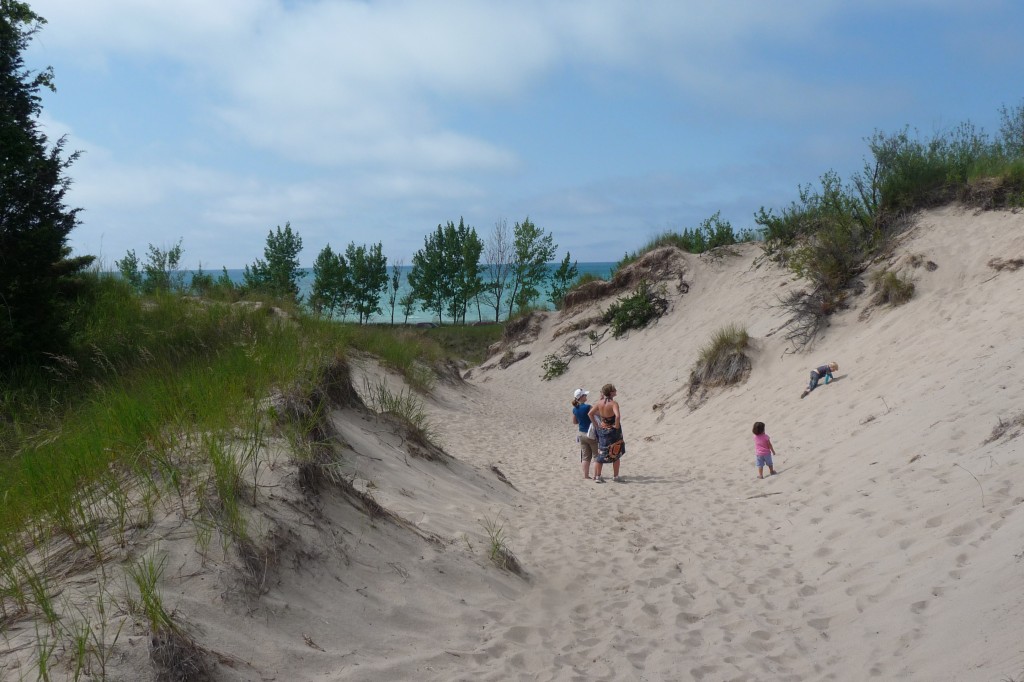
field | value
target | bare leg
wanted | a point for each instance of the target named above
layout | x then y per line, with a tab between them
586	468
760	472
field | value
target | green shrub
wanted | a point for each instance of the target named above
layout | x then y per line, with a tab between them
711	233
553	366
890	288
914	172
635	311
586	278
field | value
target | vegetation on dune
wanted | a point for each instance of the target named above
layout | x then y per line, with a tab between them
829	235
721	362
710	234
38	279
890	288
162	400
637	310
119	392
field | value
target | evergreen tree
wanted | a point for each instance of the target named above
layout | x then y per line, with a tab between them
37	277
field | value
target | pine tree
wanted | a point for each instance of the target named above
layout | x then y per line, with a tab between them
37	277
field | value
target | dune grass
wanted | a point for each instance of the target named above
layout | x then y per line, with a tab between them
163	398
722	360
709	234
890	288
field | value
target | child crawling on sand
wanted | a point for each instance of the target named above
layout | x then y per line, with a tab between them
764	450
819	373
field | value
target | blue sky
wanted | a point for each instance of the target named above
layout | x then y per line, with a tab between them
605	122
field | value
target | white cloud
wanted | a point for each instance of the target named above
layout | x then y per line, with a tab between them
389	112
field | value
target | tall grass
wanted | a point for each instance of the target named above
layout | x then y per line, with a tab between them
723	359
148	375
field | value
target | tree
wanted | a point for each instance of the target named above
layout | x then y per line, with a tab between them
446	273
394	285
368	277
129	269
159	272
464	249
562	279
498	256
161	269
408	305
279	274
532	250
429	279
38	279
330	292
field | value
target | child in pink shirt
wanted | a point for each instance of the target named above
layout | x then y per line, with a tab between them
763	449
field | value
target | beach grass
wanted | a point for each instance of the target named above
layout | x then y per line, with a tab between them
163	398
723	359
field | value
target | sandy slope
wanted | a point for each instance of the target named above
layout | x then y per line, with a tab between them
891	545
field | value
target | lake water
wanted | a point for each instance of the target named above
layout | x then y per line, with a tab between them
601	270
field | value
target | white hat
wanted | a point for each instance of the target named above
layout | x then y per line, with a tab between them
578	392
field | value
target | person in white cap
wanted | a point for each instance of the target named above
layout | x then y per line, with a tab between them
581	417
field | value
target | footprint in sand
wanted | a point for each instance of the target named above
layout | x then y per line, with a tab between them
819	623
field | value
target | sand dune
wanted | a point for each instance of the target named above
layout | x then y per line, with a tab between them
890	546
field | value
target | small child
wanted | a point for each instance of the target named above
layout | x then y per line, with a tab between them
763	449
819	373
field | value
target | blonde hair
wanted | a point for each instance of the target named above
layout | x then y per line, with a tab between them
834	366
607	390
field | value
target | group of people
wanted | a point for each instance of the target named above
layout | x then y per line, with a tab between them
600	429
600	432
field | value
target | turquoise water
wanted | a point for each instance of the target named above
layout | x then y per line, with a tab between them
602	270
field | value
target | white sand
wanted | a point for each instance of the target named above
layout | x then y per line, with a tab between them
890	546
